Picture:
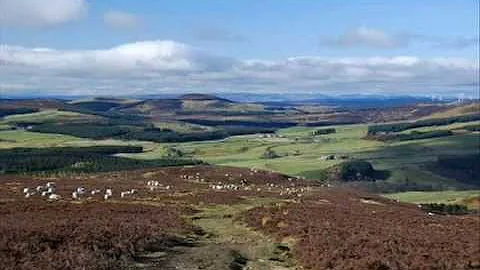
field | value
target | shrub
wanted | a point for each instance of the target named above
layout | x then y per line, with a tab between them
323	131
441	208
269	154
356	170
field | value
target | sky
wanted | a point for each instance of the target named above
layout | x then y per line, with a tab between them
128	47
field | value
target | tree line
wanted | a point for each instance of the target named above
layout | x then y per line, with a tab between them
397	127
80	159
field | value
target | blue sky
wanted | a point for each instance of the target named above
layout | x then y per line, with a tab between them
331	47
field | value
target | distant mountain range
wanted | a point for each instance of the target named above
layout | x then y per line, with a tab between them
357	100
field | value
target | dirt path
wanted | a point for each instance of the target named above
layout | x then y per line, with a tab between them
227	244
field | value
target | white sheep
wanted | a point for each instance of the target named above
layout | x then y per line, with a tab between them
39	188
50	184
106	196
124	193
54	197
75	195
81	190
109	192
26	190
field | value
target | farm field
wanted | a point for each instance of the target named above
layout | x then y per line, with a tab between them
301	154
447	197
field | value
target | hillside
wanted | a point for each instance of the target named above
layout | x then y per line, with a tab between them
217	217
456	110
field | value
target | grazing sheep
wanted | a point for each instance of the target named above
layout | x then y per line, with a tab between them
106	196
54	197
81	190
75	195
51	190
26	190
95	191
109	192
44	193
39	188
50	184
124	193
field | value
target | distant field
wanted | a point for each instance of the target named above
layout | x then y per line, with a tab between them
460	110
46	116
182	127
455	126
447	197
301	153
22	138
298	151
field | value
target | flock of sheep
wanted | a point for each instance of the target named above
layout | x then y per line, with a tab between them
291	189
49	191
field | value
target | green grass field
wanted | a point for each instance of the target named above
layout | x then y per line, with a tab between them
300	153
46	116
447	197
22	138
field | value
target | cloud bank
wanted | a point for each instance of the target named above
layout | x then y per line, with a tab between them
40	13
150	67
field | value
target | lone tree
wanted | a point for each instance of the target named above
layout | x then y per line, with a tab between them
174	152
269	154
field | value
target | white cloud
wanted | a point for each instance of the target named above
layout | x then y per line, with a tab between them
38	13
121	20
158	66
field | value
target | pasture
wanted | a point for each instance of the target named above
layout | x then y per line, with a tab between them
300	153
446	197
